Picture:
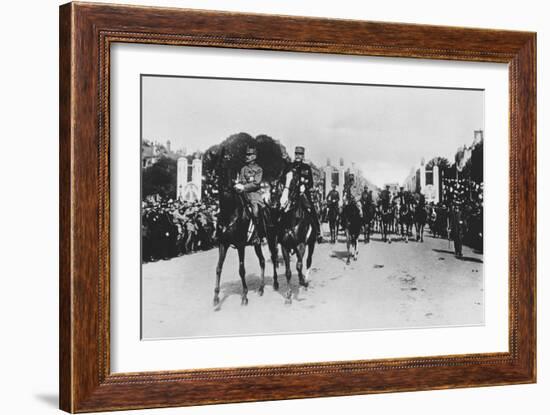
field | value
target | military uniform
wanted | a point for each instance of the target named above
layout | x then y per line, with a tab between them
385	198
366	197
333	198
251	177
457	228
303	176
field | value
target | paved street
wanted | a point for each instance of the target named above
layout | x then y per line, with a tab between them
394	285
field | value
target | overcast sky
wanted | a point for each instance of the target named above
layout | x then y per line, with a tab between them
384	130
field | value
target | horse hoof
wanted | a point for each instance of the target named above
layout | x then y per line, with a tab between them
304	283
276	286
261	291
216	301
288	298
244	301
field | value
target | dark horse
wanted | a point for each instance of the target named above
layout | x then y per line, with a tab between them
333	219
405	220
352	223
387	216
368	217
420	219
234	222
295	233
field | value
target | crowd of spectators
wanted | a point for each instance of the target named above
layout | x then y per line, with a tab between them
172	228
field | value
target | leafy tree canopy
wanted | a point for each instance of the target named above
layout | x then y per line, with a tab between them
272	155
160	178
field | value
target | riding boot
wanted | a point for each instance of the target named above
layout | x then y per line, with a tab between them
255	238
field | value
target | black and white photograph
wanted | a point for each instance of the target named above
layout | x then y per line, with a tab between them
272	206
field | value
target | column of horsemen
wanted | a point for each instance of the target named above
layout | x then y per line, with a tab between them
172	228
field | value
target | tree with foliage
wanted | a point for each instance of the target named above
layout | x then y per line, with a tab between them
440	162
272	155
160	178
473	169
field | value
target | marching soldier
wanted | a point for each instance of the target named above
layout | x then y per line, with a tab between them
300	180
456	227
249	183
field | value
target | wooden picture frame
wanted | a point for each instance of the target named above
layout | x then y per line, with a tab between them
86	33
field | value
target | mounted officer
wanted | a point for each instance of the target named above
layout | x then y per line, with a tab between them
298	179
366	196
348	194
249	183
333	197
385	197
400	196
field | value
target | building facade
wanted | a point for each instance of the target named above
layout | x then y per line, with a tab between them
189	178
338	174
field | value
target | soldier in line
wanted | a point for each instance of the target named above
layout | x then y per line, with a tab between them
249	183
301	183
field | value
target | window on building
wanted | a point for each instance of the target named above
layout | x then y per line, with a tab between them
189	173
429	177
335	178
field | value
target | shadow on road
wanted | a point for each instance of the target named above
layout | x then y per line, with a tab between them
341	255
253	283
464	258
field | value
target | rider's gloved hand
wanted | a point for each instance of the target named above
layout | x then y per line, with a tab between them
284	197
302	188
239	187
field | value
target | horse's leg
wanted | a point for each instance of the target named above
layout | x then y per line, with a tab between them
348	246
300	252
221	259
244	297
310	249
274	260
288	272
260	255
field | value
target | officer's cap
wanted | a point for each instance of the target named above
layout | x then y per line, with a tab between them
299	150
251	150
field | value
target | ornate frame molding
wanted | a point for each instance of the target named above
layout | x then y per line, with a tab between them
86	34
